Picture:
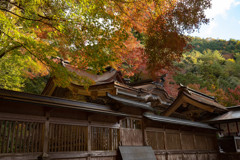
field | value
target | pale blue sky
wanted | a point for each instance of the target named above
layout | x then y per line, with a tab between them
224	21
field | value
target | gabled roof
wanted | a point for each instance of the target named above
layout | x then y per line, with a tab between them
111	82
197	99
204	99
109	76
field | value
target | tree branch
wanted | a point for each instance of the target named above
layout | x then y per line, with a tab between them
30	19
22	45
18	6
10	49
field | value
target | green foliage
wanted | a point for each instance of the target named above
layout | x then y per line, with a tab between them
15	74
208	69
225	47
94	33
69	29
11	73
211	72
35	85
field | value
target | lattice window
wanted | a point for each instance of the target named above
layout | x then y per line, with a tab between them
104	138
21	137
131	123
67	138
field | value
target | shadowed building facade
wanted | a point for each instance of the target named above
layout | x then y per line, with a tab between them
101	122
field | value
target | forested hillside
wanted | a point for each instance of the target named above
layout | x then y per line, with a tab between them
225	47
212	67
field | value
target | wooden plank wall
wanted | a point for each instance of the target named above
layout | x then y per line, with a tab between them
131	132
182	145
229	128
131	137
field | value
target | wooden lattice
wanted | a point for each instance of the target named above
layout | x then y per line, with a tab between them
21	137
67	138
104	138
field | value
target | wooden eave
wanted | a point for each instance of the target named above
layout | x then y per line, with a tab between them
128	102
57	102
177	121
94	90
232	115
186	98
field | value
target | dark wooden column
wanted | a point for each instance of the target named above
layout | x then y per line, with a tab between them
46	138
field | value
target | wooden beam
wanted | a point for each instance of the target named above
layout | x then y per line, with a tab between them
197	104
50	87
184	99
94	94
102	87
94	91
174	106
18	156
50	92
21	117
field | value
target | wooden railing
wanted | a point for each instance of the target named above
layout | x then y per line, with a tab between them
29	136
21	137
67	138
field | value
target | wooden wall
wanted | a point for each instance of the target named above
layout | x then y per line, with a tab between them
82	137
131	132
170	144
229	128
131	137
65	134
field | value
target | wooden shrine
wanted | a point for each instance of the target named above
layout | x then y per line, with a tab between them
75	124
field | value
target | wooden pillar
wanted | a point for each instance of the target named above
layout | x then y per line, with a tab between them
180	135
46	138
165	138
89	137
195	144
144	133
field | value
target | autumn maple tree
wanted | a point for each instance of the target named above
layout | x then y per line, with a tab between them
93	34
